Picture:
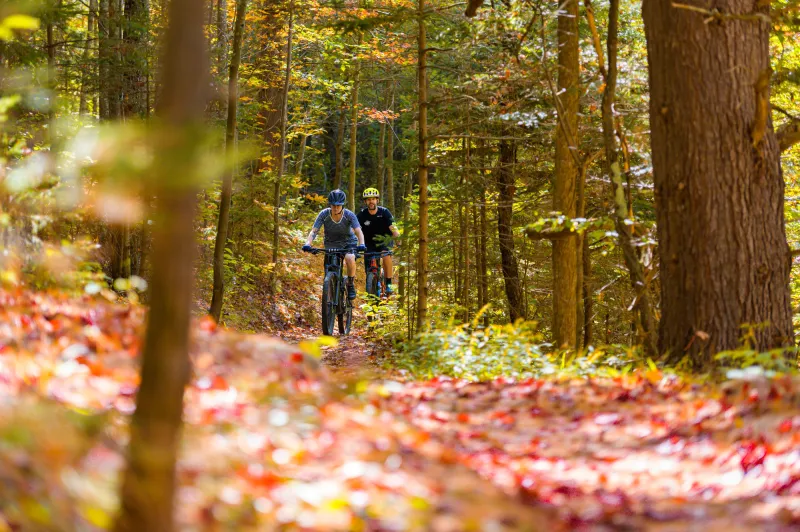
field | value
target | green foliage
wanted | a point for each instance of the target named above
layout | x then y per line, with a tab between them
473	352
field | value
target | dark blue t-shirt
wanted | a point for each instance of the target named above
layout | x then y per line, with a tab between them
376	225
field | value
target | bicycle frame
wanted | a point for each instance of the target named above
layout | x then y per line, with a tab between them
375	265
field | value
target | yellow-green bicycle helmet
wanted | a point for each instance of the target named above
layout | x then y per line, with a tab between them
371	193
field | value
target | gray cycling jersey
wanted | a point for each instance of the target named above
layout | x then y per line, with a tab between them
338	234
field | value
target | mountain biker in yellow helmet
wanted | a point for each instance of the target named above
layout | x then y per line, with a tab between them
377	223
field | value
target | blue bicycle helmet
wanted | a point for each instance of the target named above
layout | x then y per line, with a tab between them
337	197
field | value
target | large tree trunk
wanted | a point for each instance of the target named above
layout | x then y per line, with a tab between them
565	264
148	484
718	183
218	291
505	230
422	173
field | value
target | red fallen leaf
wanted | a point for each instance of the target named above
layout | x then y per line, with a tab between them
754	455
786	426
296	357
463	417
219	383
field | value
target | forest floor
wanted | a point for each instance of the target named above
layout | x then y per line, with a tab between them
276	440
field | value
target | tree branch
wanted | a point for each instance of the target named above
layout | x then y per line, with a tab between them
788	134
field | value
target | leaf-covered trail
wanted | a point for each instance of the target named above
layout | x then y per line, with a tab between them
639	452
275	441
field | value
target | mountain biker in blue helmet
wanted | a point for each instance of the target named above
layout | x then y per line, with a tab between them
342	230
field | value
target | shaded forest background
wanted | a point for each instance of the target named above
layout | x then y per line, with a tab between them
522	211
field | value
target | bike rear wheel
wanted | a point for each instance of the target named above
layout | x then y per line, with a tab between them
328	304
373	288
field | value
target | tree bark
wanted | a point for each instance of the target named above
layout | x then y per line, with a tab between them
148	484
505	208
351	188
134	58
218	291
381	159
86	74
282	157
565	251
483	254
464	237
718	184
337	176
403	268
390	160
422	173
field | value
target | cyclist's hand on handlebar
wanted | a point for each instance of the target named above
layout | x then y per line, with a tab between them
361	248
307	248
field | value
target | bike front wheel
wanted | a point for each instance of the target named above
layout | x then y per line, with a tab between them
345	315
328	304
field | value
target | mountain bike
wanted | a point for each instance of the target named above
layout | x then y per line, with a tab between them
336	306
375	272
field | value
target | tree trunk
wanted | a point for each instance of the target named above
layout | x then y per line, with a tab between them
422	175
718	182
464	237
337	176
301	156
403	267
221	242
565	290
351	189
483	278
390	160
222	35
148	483
505	208
381	158
282	158
86	74
134	76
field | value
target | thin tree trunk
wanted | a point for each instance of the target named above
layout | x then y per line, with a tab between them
636	271
86	74
301	156
222	35
464	238
422	175
381	158
351	189
282	159
218	292
148	483
483	278
337	177
406	244
565	298
390	160
724	260
505	209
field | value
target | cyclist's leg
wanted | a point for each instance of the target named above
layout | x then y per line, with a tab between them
350	273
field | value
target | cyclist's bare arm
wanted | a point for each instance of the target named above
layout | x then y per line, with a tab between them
311	236
359	235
